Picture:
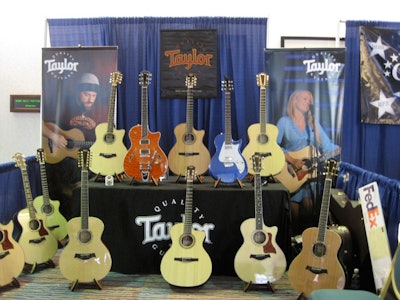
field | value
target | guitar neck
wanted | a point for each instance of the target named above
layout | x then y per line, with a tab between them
263	110
189	110
228	128
28	194
45	189
258	202
145	120
188	207
111	111
84	199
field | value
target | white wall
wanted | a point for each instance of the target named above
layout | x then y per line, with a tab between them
23	35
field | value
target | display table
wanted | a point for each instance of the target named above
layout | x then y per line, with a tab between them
137	218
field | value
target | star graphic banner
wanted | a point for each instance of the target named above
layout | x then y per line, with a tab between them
380	75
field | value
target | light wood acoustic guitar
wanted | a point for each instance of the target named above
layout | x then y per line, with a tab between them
11	256
317	265
36	240
189	149
145	161
293	179
186	263
262	138
108	150
227	165
85	258
55	221
259	260
75	140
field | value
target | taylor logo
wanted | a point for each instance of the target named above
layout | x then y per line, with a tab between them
61	65
155	228
323	66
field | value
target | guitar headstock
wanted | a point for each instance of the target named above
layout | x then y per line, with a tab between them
84	158
227	85
190	173
19	159
191	80
41	156
144	78
256	159
331	167
115	78
262	80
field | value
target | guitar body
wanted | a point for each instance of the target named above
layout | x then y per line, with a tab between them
292	179
11	255
309	272
228	163
145	159
55	221
108	151
54	154
85	262
259	263
186	266
188	150
273	156
38	243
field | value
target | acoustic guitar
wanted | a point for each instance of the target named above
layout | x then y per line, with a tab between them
75	140
36	240
293	179
85	258
227	164
259	260
262	138
186	263
189	149
11	256
317	265
145	160
55	221
108	150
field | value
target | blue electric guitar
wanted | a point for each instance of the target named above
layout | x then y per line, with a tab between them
227	164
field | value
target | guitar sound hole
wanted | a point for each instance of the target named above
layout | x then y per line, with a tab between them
187	241
188	138
47	209
262	139
85	236
319	249
34	224
109	138
259	237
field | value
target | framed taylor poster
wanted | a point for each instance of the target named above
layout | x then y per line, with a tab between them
185	52
75	97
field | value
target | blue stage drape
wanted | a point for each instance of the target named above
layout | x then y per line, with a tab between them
369	146
241	43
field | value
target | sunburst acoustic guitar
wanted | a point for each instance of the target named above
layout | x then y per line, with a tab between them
145	161
259	260
262	138
85	259
36	240
55	221
11	256
189	149
227	165
317	265
186	263
108	150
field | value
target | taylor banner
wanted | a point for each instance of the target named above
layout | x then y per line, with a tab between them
319	73
380	75
184	52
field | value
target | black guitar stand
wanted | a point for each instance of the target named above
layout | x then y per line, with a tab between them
119	177
218	181
182	179
96	282
154	180
32	268
267	285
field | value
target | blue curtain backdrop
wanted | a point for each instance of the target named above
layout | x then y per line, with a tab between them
241	43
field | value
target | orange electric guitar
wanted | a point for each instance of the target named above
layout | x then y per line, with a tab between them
85	258
108	151
36	240
262	138
145	159
317	265
189	149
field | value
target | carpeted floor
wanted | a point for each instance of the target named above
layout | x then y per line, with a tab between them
48	283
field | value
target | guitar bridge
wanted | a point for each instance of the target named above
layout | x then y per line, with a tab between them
186	259
260	256
317	270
